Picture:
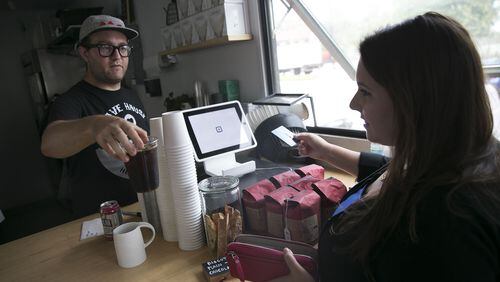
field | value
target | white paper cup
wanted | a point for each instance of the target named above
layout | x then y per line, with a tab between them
156	128
174	130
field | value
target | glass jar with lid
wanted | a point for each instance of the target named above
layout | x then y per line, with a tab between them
218	191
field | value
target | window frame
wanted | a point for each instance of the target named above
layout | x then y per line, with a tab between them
272	72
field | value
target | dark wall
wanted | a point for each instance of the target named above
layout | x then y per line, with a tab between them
24	171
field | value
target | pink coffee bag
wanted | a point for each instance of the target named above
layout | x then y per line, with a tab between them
284	178
331	191
254	205
302	216
304	183
275	203
313	170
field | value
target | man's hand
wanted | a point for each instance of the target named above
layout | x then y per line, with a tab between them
64	138
113	135
297	272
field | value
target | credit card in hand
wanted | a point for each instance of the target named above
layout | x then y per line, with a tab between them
285	135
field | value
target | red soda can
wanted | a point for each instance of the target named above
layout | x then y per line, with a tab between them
111	217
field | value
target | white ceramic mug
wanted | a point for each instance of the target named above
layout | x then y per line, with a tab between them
129	244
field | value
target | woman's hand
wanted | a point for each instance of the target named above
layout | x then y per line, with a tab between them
297	272
312	145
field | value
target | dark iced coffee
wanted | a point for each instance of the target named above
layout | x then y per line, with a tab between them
143	167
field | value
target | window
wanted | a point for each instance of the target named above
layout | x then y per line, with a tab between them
301	64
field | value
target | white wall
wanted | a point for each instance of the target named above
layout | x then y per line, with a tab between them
241	60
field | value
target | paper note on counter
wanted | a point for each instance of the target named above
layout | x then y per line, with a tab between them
91	228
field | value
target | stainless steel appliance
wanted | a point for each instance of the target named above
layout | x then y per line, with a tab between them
49	74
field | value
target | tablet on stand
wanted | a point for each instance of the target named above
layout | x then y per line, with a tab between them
217	133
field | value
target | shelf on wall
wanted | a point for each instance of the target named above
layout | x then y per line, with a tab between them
208	43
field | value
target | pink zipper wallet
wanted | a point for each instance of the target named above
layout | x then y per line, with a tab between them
260	258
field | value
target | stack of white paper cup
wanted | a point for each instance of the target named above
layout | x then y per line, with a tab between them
164	196
183	181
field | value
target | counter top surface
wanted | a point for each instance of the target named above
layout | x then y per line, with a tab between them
57	254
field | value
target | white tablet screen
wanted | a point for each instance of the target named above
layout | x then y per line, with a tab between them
218	129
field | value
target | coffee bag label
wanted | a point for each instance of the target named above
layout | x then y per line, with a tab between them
257	219
304	230
275	224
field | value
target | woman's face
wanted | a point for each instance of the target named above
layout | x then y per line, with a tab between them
375	105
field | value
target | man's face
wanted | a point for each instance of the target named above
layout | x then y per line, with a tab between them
107	70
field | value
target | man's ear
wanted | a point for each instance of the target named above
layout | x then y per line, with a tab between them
83	52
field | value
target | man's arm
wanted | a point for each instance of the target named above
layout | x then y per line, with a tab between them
64	138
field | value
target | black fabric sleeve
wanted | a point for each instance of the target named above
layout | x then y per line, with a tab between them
450	247
368	163
64	108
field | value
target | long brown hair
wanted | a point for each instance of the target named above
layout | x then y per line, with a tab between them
433	73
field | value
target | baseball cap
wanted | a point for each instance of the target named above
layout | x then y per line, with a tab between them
104	22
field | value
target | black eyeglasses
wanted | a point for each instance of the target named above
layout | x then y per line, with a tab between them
106	50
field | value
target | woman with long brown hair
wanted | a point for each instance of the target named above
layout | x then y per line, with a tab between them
431	212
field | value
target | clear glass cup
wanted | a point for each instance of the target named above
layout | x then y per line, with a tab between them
142	168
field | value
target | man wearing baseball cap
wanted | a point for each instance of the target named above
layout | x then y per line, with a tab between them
97	124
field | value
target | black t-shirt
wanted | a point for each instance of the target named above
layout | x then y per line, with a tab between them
91	176
449	247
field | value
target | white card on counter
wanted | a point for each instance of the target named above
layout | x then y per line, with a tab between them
91	228
284	135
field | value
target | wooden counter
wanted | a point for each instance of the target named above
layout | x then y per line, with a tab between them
346	178
57	254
